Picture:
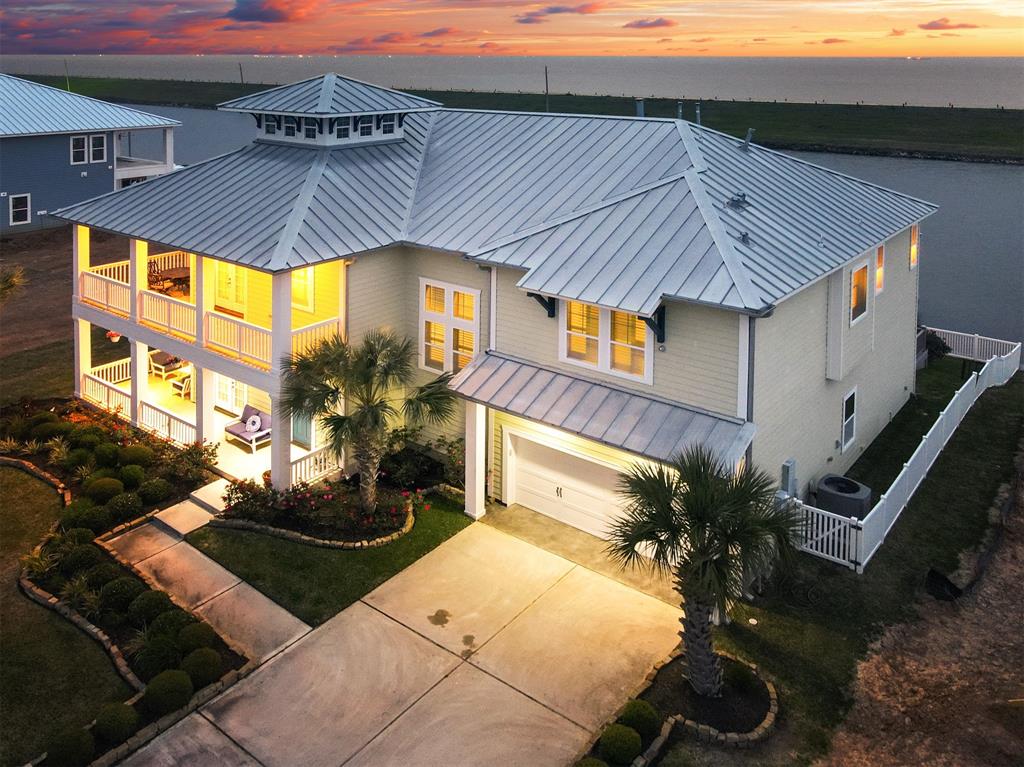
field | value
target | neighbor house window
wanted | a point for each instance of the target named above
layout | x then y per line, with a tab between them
914	235
21	209
98	147
341	128
302	289
849	419
605	339
880	269
79	150
858	293
449	325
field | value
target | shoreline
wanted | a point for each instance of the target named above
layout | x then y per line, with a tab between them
961	134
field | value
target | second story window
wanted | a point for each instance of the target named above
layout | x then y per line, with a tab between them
366	126
98	147
880	269
388	124
613	342
302	289
79	150
914	237
341	129
449	325
858	293
311	128
290	125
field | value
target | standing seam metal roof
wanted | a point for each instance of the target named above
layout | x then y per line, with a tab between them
33	109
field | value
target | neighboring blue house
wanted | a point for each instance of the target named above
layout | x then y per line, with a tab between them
58	148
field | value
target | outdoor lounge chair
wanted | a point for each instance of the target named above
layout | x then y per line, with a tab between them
156	279
236	430
182	385
162	364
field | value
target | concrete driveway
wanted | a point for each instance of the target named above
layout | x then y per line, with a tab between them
487	651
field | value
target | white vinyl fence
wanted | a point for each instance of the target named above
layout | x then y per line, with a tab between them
852	542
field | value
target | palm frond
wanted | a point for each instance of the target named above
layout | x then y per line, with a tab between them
433	402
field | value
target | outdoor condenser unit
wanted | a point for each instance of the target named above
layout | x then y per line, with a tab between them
843	496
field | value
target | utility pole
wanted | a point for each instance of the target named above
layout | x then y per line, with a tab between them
547	103
241	76
67	76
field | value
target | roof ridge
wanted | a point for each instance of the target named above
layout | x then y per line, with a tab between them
385	88
268	90
404	231
567	217
527	113
692	147
326	92
733	263
285	244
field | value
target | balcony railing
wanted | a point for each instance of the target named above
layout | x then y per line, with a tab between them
105	394
105	292
165	424
238	339
170	315
309	336
313	465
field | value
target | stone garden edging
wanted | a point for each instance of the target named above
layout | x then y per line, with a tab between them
30	468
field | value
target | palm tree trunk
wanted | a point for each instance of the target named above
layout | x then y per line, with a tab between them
368	459
703	666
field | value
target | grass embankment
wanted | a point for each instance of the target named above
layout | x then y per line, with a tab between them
960	133
52	677
315	583
815	626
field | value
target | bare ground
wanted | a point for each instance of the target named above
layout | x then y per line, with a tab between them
937	692
41	313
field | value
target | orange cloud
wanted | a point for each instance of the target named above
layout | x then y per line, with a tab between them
945	23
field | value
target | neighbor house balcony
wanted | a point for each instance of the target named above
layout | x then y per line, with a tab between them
130	167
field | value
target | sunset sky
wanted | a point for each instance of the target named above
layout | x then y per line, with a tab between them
516	27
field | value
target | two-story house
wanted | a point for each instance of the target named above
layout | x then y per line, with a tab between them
606	289
57	148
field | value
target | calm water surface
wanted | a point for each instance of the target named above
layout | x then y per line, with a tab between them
972	249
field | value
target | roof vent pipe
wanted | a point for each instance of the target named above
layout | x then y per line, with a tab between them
698	113
639	107
746	141
679	110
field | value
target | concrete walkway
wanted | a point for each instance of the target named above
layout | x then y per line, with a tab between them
248	621
486	651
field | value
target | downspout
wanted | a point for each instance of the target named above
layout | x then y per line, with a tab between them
492	330
750	382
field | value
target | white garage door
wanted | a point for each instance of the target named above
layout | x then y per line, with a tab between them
562	486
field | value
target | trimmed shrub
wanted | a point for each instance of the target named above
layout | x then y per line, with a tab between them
78	536
80	456
80	558
46	431
136	454
167	692
619	744
119	593
591	761
95	518
132	475
642	717
71	748
740	678
154	490
98	475
169	623
112	619
157	655
124	507
89	436
196	635
102	490
106	454
43	416
115	723
203	666
100	575
146	606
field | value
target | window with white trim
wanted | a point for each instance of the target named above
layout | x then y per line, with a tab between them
79	150
98	147
388	124
880	269
849	419
341	128
915	235
20	209
303	289
614	342
311	127
269	125
290	124
858	293
365	126
449	325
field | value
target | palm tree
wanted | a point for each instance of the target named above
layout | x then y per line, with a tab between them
373	383
711	528
12	280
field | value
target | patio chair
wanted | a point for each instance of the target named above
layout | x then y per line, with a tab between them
162	364
250	432
156	280
182	385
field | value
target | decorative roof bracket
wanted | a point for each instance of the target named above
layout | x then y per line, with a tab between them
657	324
549	304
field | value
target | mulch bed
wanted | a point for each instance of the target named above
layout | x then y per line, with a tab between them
741	708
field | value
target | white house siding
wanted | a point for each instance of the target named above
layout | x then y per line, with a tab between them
798	411
699	366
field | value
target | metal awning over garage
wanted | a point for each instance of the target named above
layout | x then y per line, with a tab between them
640	424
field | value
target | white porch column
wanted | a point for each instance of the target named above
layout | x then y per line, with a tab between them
280	348
204	391
138	274
83	352
476	465
204	285
169	148
79	257
140	377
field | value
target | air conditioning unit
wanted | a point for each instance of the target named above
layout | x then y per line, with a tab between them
843	496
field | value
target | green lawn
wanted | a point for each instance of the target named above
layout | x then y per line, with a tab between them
815	625
315	583
932	131
52	676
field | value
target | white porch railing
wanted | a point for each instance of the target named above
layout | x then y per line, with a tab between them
970	346
313	465
105	292
114	372
854	542
106	395
172	259
165	424
237	338
170	315
309	336
117	271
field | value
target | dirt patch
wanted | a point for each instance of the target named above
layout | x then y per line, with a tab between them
937	691
41	313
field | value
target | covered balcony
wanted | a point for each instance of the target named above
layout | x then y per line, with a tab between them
132	155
